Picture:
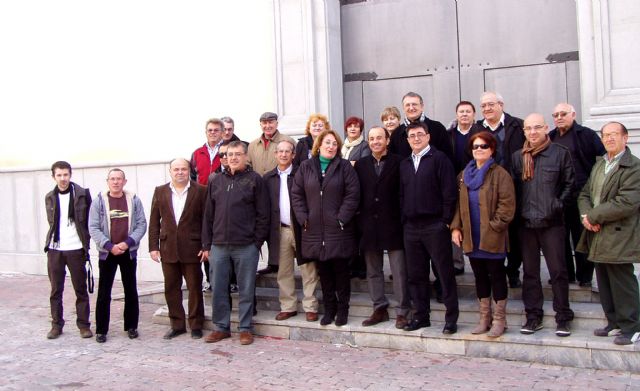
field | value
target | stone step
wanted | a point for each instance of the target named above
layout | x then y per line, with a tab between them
581	349
466	288
587	315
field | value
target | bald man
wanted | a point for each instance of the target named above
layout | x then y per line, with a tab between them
176	211
584	145
543	175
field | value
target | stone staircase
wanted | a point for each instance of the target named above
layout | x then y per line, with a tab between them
581	349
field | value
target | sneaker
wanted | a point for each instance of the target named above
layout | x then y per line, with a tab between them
627	338
562	329
608	331
531	326
206	287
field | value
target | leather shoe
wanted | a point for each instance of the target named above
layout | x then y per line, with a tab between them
101	338
246	338
312	316
217	336
286	315
514	282
378	316
54	333
416	324
585	284
269	269
172	333
450	328
401	321
458	272
85	332
132	333
196	334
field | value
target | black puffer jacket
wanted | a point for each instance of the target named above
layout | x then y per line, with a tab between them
541	200
319	203
236	210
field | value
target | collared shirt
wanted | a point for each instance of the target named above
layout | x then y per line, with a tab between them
284	202
213	151
178	200
416	158
610	164
485	123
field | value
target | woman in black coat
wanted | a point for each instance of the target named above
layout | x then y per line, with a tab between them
325	197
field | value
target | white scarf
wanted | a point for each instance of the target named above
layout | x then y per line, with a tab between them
348	146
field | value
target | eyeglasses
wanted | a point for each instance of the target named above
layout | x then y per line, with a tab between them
417	135
480	146
490	105
536	128
222	155
236	154
560	114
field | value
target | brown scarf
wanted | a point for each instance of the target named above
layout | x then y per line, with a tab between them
528	153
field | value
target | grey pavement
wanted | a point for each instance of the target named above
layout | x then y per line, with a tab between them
28	361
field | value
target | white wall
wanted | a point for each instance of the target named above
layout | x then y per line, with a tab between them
129	81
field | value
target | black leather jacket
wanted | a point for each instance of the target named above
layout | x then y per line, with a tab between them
542	199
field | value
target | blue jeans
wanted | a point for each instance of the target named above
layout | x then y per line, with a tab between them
245	262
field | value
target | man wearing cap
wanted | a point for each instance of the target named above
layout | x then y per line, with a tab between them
262	158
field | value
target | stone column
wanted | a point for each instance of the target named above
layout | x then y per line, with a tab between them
609	41
308	62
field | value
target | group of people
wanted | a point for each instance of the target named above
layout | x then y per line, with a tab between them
500	190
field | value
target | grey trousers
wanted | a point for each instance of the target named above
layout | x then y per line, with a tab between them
375	280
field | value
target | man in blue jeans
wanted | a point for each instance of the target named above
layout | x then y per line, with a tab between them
236	224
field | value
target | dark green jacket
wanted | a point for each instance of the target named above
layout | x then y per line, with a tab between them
618	214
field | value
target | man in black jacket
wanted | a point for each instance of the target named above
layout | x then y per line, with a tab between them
428	196
413	107
584	145
235	225
285	239
508	132
543	176
67	245
381	228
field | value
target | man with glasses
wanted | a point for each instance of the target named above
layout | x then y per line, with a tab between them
428	194
235	225
609	206
508	132
543	176
262	158
285	237
205	160
584	145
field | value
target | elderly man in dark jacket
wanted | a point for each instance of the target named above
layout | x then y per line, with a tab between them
609	205
543	176
508	132
584	145
381	228
428	197
325	196
285	239
235	225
